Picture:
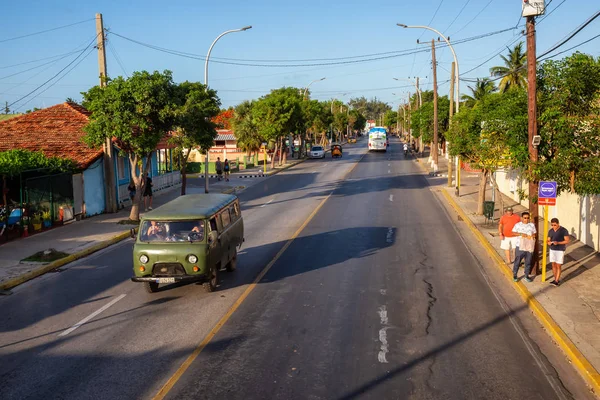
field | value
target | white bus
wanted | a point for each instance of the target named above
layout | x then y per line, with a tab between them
378	138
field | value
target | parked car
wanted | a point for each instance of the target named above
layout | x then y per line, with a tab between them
316	152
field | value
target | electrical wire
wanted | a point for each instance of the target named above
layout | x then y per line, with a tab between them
40	59
551	11
458	15
571	48
572	35
90	51
474	18
46	31
54	76
113	51
36	67
341	61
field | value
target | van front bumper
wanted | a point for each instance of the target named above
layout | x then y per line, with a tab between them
168	279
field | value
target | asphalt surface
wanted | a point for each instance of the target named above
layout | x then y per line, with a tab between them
377	298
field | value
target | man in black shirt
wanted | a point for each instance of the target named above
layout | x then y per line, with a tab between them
558	237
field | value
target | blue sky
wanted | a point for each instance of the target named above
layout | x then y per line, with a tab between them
298	31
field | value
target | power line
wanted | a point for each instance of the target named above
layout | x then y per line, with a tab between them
38	66
40	59
551	11
458	15
474	18
46	31
90	51
113	51
575	32
571	48
341	61
58	73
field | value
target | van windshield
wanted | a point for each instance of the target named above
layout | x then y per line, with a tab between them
172	231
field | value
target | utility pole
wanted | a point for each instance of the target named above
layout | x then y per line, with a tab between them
434	148
109	164
532	131
417	106
451	159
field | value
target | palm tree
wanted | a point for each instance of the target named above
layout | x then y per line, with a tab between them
483	87
246	131
514	73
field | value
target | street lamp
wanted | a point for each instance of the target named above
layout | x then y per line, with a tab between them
306	89
456	74
206	84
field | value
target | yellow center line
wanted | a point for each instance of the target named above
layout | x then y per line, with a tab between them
188	362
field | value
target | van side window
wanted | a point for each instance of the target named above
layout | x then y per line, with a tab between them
233	214
225	218
213	224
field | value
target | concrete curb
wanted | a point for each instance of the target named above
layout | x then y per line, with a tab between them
585	368
293	164
11	283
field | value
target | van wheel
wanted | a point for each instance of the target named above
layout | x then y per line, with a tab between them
151	287
232	265
211	285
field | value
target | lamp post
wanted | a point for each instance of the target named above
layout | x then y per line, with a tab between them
456	73
306	89
206	84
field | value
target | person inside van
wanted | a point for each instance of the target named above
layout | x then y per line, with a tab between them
154	230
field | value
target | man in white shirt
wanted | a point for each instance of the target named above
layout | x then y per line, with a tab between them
526	244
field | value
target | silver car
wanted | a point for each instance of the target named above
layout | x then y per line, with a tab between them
316	152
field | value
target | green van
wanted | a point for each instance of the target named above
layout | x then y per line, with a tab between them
188	239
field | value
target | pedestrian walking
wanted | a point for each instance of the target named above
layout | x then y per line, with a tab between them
558	238
526	232
219	168
226	170
148	193
509	240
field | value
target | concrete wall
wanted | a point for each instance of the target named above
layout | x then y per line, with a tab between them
93	189
580	215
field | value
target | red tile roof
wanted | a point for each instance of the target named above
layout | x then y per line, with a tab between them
56	130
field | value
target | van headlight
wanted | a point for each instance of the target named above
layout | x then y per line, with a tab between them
192	259
143	259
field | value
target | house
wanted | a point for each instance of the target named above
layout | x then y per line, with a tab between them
58	131
225	147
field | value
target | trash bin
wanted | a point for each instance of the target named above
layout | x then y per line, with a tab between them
488	210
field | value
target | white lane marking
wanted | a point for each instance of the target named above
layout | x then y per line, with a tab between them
383	315
389	171
267	203
383	291
381	356
390	235
92	315
389	164
391	197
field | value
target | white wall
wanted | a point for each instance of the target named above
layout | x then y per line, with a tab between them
580	215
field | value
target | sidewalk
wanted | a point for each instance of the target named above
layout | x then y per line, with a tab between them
574	306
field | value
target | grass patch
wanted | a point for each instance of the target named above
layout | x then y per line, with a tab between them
128	222
46	256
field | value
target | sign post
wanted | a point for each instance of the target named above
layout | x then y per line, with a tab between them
546	197
264	146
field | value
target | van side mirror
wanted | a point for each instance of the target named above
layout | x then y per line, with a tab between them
212	236
132	233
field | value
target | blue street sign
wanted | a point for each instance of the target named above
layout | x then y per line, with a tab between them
547	190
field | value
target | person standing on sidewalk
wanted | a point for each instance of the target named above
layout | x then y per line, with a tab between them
526	232
219	168
226	170
148	193
509	240
558	238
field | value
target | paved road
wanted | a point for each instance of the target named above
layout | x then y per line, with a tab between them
377	298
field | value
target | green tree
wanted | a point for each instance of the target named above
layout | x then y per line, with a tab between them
317	118
278	114
514	70
569	93
196	107
136	113
390	119
357	120
371	109
482	88
246	131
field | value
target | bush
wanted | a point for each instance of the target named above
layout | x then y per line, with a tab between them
193	167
